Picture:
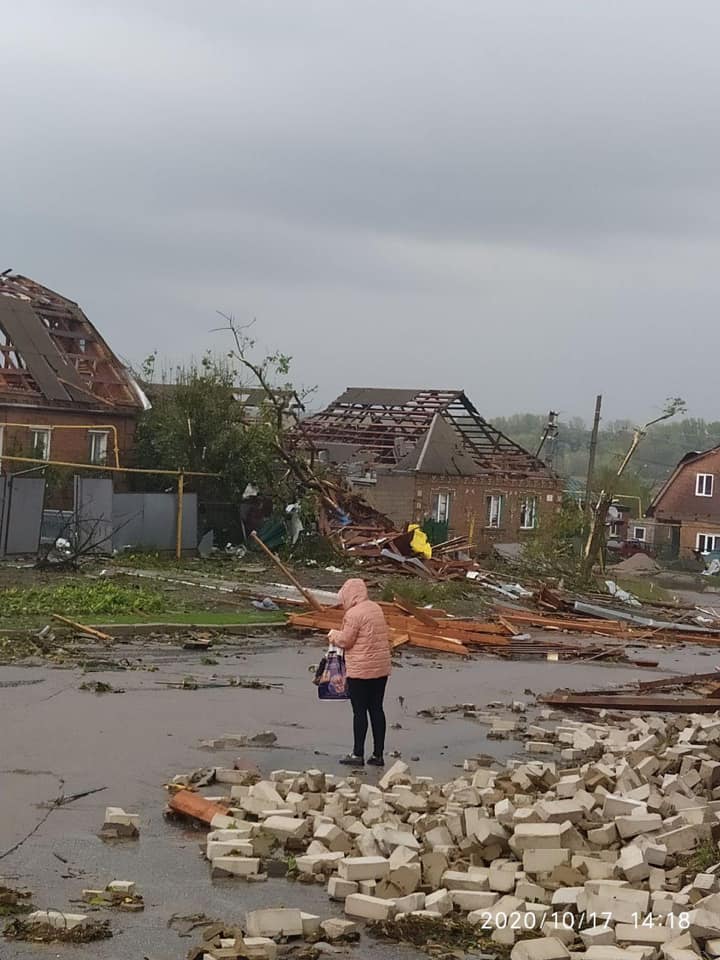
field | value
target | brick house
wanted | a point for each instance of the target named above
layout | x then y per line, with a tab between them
64	395
418	455
688	504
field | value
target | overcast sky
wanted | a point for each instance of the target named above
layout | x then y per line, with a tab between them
516	197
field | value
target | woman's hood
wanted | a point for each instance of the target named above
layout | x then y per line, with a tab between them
353	592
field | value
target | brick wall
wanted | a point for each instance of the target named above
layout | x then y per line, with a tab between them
391	495
688	535
681	502
71	445
469	508
408	497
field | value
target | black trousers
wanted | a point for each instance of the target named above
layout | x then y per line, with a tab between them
366	697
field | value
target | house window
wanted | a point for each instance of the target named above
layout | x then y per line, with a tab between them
639	533
98	446
494	510
615	530
703	485
40	443
528	513
441	507
707	542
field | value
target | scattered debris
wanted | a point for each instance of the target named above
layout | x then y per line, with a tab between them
13	902
54	926
264	739
597	846
83	630
119	894
100	686
197	641
120	825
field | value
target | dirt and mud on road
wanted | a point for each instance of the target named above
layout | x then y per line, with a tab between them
148	725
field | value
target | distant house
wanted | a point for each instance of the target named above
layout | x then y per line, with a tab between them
687	507
64	395
419	455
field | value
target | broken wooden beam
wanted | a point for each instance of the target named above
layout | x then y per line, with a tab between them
606	701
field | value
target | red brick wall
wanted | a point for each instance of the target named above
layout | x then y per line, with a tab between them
689	532
680	502
468	505
70	445
391	495
409	497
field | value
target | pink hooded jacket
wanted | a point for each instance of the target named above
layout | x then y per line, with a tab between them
364	636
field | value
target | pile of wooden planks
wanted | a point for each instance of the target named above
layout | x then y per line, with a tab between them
435	630
640	696
621	629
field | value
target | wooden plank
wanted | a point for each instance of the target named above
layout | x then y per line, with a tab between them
440	644
633	703
423	616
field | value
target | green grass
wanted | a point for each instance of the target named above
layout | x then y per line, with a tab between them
706	855
421	592
208	618
643	589
88	598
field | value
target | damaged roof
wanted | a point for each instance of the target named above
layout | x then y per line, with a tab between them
427	431
51	355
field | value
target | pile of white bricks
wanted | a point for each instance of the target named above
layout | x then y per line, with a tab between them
257	939
589	851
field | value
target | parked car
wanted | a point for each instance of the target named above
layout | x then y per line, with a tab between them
621	549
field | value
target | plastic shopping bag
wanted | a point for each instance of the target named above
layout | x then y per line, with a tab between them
331	678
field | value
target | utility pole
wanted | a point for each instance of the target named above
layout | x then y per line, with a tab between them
591	457
549	436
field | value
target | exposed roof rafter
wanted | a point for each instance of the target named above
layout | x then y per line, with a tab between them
375	420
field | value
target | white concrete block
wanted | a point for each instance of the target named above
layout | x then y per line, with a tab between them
274	922
364	868
369	908
339	889
439	902
542	948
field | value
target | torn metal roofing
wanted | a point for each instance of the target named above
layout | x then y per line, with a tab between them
50	353
428	431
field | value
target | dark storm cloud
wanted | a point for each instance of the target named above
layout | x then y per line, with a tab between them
517	198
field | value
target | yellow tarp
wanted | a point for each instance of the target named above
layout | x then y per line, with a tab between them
419	543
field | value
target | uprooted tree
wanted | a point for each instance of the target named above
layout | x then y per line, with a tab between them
284	404
596	533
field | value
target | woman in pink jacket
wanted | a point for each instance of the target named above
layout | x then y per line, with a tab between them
365	638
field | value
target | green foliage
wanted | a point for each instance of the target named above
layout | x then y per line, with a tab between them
554	548
644	590
662	448
197	424
97	597
422	592
706	855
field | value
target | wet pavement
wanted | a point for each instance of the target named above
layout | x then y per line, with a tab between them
55	735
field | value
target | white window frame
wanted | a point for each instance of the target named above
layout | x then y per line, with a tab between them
36	432
494	509
641	536
704	484
94	436
530	504
441	510
615	529
707	542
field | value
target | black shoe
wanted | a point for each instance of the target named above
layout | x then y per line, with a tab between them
352	761
376	761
